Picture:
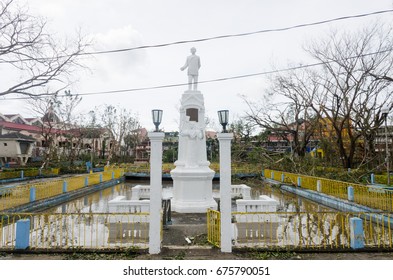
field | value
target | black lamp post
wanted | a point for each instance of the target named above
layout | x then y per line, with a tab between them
223	117
157	117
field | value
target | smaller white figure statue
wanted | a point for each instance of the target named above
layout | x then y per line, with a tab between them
194	133
193	63
191	130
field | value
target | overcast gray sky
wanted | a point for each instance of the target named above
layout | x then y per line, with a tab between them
114	24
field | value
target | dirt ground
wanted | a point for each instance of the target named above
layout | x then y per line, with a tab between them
202	253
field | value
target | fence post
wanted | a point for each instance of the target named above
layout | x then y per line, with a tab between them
319	186
86	181
282	177
263	172
22	239
65	186
32	193
22	174
372	178
299	181
101	178
113	175
356	233
351	193
272	175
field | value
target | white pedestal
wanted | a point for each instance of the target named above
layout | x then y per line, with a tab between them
192	190
192	177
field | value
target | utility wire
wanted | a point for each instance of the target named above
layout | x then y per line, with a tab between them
207	81
240	34
214	37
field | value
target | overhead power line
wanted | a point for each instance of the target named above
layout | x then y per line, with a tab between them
206	81
240	34
215	37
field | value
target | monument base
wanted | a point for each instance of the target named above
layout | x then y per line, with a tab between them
192	190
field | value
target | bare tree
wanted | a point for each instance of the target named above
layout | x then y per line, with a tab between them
121	123
352	95
69	124
291	119
60	129
44	66
43	108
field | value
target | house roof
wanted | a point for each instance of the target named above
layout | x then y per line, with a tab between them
28	127
17	136
33	119
211	134
19	127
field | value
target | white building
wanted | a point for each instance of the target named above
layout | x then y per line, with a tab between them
16	147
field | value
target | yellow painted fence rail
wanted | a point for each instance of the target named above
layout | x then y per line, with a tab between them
214	227
370	196
29	173
22	194
288	230
303	230
308	230
70	231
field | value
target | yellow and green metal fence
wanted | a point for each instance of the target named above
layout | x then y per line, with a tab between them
369	196
214	227
21	194
72	231
273	230
309	230
302	230
29	173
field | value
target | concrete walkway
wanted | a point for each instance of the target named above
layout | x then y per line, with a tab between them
186	229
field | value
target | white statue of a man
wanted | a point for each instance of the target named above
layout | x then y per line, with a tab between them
193	63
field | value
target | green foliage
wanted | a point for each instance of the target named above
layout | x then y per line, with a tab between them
72	170
201	240
169	155
180	256
271	255
100	256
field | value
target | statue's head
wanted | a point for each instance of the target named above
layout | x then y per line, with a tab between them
193	50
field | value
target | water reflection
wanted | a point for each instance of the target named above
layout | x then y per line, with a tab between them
288	202
98	202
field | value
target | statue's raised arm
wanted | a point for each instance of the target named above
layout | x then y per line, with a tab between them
193	63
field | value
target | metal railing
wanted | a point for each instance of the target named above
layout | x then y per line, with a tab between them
370	196
285	230
308	230
214	227
29	173
81	230
22	194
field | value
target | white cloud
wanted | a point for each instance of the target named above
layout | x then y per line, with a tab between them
119	65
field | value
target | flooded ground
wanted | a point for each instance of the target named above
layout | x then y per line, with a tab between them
98	202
